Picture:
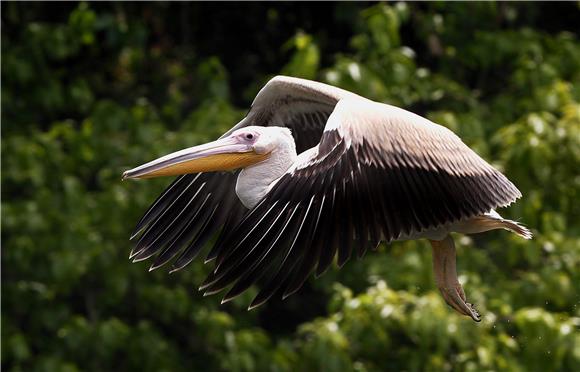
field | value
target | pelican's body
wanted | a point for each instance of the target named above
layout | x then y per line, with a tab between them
324	172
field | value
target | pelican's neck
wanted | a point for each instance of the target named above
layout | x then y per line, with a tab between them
255	181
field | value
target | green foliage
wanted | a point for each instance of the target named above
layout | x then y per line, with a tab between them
99	89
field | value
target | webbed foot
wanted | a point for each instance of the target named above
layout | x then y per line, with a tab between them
446	278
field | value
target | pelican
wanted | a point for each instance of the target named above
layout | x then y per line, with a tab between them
314	173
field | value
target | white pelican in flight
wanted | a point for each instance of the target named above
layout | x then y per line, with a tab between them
315	172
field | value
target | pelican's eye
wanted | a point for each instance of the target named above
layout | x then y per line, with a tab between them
248	137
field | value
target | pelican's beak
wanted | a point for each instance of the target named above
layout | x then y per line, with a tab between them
222	155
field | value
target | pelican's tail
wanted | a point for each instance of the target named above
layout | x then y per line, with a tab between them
492	221
515	227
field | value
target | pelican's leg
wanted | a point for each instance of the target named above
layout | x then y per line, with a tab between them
446	277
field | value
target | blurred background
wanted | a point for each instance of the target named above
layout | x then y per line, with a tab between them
91	89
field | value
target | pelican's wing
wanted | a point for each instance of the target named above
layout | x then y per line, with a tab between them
187	214
194	207
301	105
379	172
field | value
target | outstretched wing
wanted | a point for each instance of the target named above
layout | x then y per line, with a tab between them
195	207
301	105
379	173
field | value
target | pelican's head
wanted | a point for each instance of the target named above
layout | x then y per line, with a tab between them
240	149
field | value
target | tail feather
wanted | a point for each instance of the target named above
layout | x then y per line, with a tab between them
515	227
492	221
